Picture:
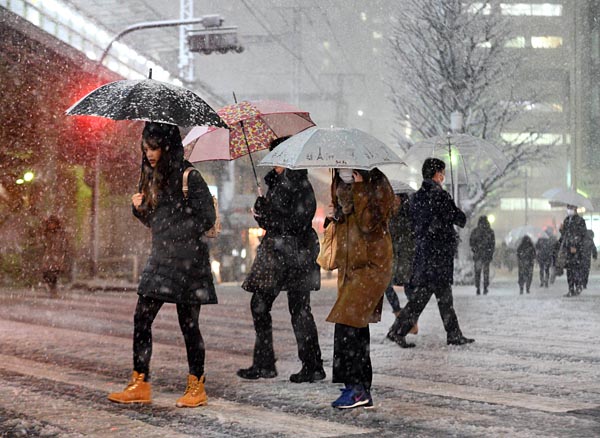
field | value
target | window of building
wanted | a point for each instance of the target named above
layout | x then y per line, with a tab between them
478	8
517	42
543	107
511	204
546	42
538	138
532	9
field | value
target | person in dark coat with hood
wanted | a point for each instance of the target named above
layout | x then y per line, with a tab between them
525	261
572	240
482	243
434	216
286	260
178	269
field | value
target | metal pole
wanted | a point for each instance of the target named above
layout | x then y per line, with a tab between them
150	25
186	65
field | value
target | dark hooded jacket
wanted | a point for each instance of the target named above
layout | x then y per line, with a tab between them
434	215
178	269
482	241
526	254
286	257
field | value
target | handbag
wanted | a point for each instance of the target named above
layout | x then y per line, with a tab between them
215	230
327	253
561	256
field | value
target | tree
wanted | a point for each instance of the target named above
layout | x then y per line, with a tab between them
452	55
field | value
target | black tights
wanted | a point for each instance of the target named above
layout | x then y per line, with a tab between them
145	312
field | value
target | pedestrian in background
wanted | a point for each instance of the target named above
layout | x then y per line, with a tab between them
55	260
544	248
403	242
434	215
572	243
361	207
589	252
525	261
482	243
178	269
286	260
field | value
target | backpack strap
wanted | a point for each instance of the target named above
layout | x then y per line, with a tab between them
186	174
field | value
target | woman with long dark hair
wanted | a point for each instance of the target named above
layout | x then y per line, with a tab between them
178	269
362	206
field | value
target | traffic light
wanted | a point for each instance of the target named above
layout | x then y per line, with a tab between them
220	40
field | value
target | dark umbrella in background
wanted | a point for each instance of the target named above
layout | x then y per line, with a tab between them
148	100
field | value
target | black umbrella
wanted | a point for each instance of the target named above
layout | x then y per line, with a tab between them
148	100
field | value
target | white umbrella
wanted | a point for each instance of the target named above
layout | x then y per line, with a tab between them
559	197
467	156
315	147
401	187
514	236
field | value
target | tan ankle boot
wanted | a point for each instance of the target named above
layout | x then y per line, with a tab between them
137	391
195	395
414	330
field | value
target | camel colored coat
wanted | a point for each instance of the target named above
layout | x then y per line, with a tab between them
364	257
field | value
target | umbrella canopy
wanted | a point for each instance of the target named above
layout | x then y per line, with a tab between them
559	197
348	148
468	156
514	236
148	100
401	187
252	127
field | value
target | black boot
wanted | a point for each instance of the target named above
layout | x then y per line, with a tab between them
254	372
459	340
308	374
400	340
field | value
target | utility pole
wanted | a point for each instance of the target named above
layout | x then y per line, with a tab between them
296	78
186	64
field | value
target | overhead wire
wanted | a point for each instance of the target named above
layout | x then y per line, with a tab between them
284	46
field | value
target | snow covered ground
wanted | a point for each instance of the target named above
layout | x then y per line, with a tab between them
533	371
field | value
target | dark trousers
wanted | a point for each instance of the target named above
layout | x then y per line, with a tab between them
351	357
145	312
482	265
525	276
544	273
303	324
392	298
416	304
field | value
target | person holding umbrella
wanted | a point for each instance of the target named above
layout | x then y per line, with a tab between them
285	260
178	269
434	216
362	204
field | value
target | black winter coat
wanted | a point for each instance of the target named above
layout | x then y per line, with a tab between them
482	243
434	215
178	269
573	235
286	257
526	255
403	241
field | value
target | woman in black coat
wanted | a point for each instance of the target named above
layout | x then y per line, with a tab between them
285	260
525	258
178	269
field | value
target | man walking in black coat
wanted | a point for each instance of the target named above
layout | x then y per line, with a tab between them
482	242
573	236
286	259
434	215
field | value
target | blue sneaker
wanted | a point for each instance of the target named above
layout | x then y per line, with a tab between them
352	397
